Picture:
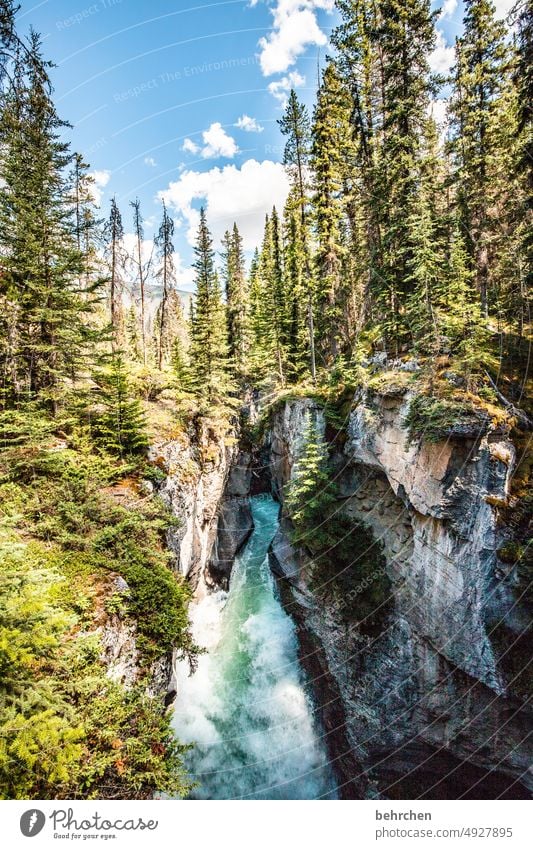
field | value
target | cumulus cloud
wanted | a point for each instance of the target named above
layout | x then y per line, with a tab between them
229	194
150	161
438	111
448	8
281	88
100	181
218	143
295	27
249	125
190	147
443	56
503	7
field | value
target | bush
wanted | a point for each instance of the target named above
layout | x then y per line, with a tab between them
66	729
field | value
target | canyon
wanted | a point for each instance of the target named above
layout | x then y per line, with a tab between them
424	705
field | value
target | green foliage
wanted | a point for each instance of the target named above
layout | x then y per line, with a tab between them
208	332
237	303
66	730
347	563
121	428
434	419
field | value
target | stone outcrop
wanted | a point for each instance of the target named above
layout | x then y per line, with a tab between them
424	704
197	467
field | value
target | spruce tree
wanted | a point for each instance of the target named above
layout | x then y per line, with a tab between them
479	78
330	160
310	493
295	125
141	269
166	275
45	334
237	303
116	260
208	345
121	428
407	35
297	336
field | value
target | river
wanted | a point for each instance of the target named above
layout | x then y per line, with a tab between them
247	709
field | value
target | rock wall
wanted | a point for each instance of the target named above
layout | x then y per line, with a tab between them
424	706
197	467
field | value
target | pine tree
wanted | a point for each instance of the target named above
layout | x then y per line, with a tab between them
295	125
208	346
237	303
310	493
479	77
44	316
116	258
174	335
330	161
166	274
261	357
360	60
141	268
86	221
297	344
407	35
121	428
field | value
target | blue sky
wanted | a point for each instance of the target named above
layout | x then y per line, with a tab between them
179	98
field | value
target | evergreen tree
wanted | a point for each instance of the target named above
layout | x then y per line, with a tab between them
174	337
86	222
121	428
141	268
407	36
479	78
208	345
116	258
297	344
237	303
310	494
44	317
330	160
166	274
295	125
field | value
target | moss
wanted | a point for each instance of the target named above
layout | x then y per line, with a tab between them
511	553
436	419
392	383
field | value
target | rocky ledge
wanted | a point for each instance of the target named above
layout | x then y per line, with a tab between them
424	705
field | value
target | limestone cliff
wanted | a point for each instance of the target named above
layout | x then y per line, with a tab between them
202	477
424	705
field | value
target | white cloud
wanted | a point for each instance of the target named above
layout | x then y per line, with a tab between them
229	194
438	111
448	8
249	125
150	161
281	88
101	179
503	7
218	143
295	27
190	147
442	58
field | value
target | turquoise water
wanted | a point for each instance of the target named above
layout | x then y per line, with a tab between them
246	708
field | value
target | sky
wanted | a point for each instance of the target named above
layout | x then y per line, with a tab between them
179	100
